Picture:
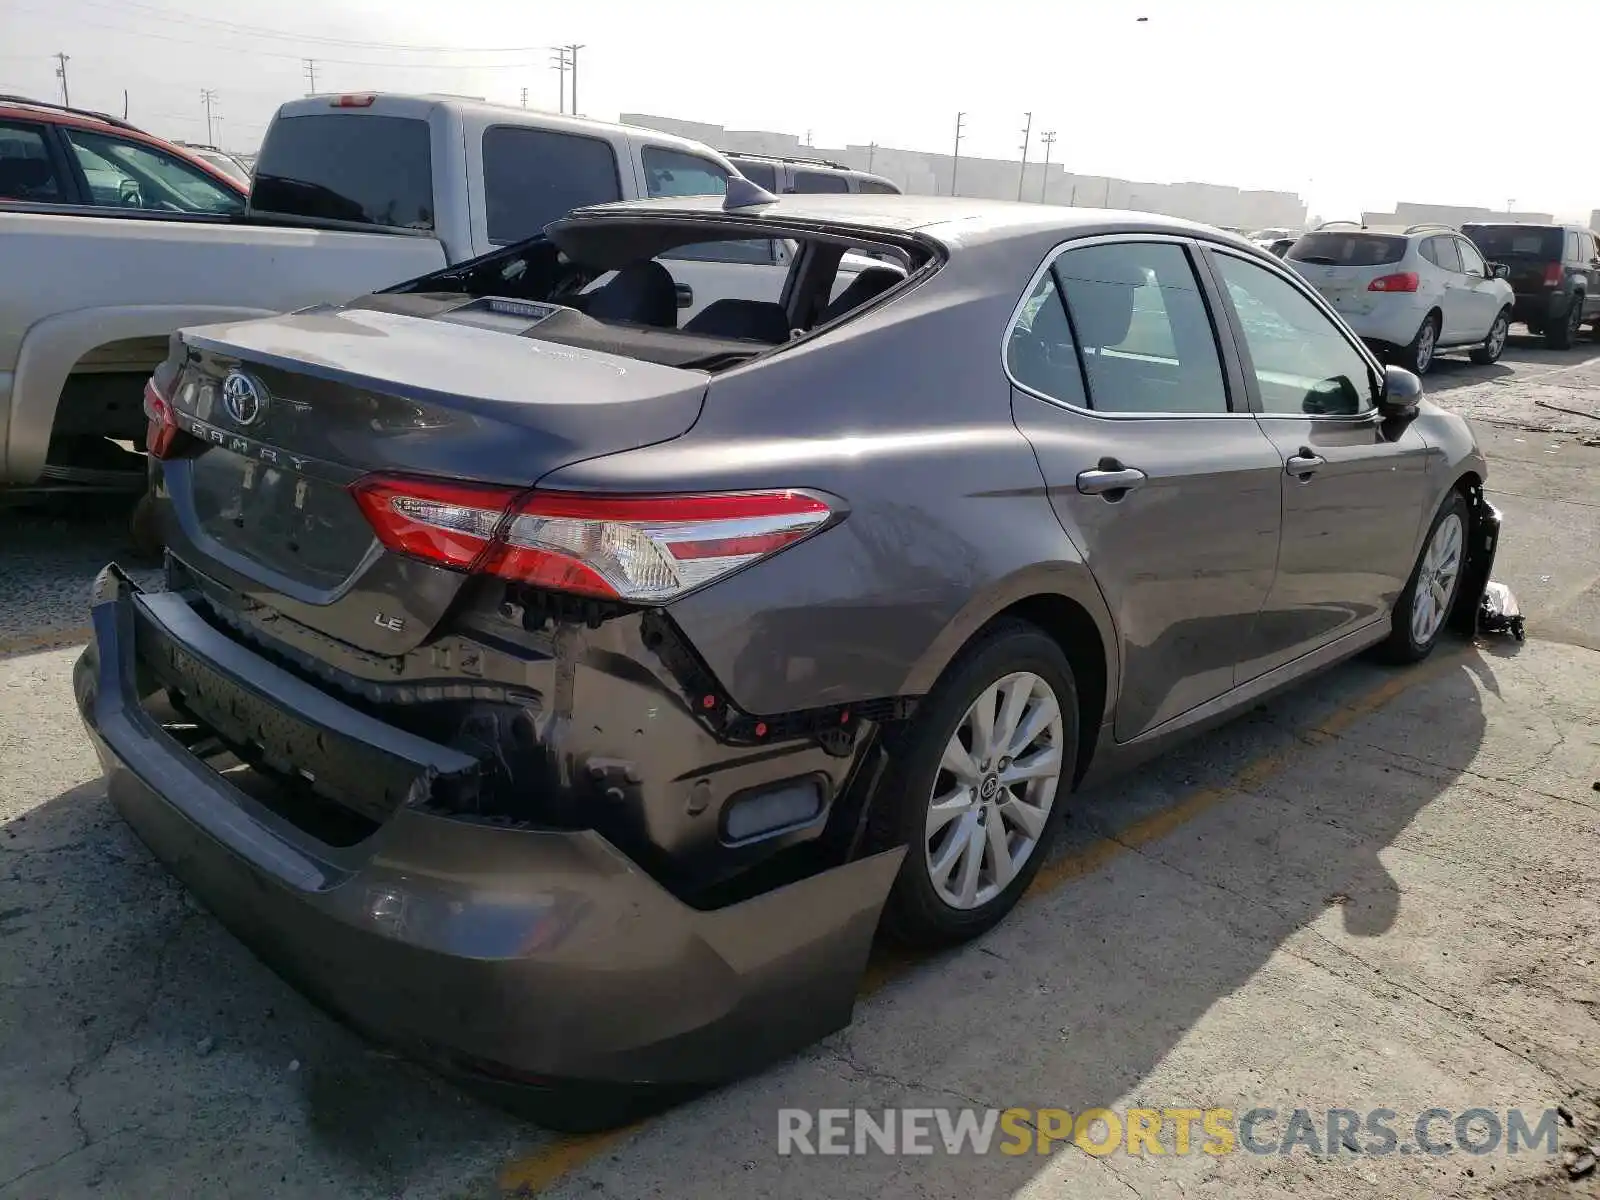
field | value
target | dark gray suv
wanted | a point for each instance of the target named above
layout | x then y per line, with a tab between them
565	695
1555	272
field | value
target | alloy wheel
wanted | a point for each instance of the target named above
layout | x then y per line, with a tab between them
1425	340
1497	337
1437	576
993	791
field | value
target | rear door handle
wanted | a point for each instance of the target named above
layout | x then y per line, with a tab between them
1110	477
685	296
1304	464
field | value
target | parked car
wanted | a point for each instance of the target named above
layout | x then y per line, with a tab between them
110	239
807	175
228	164
1555	272
562	693
1410	292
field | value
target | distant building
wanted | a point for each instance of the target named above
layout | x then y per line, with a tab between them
927	174
1406	213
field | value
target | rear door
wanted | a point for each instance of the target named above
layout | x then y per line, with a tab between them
1482	296
1155	467
1455	295
1353	488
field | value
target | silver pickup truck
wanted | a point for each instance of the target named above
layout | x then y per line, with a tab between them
352	193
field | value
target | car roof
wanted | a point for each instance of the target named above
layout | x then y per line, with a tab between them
950	220
420	104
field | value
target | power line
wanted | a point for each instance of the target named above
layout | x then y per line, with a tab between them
1022	172
63	59
1048	137
181	18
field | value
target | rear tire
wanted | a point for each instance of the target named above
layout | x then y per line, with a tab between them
1418	356
1415	628
1013	677
1495	344
1559	335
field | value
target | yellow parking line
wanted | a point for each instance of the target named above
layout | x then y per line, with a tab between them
48	640
529	1175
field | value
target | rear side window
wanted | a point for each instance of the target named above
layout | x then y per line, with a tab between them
1499	242
1348	249
1142	329
811	182
367	169
675	173
532	177
26	172
760	174
1441	251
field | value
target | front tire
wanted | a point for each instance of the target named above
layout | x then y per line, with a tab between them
1422	611
977	786
1418	356
1495	344
1559	335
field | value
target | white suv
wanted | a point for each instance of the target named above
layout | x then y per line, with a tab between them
1409	292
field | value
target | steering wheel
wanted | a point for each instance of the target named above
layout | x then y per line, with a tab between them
129	195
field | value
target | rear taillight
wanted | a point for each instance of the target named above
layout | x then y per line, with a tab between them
1554	274
646	549
1400	281
161	428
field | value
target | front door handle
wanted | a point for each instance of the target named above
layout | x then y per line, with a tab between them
1110	479
1304	464
685	296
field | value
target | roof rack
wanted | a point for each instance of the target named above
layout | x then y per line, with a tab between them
1426	225
783	158
1339	225
116	122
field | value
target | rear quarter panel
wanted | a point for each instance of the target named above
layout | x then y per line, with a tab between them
904	415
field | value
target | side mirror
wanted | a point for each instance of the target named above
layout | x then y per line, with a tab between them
1499	271
1402	392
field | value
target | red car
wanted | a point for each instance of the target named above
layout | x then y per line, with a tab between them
57	156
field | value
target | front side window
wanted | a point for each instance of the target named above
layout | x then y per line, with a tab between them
676	173
1471	260
1142	328
125	174
26	172
532	177
1302	363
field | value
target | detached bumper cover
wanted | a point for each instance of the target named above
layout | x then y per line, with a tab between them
531	956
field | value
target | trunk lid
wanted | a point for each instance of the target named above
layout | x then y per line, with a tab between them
284	414
1343	265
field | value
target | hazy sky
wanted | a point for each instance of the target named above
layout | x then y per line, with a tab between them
1353	105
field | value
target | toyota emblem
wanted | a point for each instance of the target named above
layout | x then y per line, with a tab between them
244	398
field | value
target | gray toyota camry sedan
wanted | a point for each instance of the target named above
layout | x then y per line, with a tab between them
567	692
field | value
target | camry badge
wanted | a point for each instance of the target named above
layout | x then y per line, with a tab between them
244	398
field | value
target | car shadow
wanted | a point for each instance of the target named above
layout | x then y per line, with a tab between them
1175	887
150	1033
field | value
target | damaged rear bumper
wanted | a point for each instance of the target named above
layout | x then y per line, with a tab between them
541	959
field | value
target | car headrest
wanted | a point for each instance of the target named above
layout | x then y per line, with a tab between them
643	293
753	320
869	284
1103	311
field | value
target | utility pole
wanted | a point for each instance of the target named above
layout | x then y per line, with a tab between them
955	159
572	61
808	137
311	75
872	152
124	104
61	72
207	97
1048	137
1022	172
524	97
558	64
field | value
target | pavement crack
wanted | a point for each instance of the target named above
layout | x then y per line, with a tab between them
846	1055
